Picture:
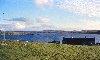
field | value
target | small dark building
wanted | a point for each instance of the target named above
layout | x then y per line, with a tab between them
56	42
78	41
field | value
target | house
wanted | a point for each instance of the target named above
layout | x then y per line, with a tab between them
78	41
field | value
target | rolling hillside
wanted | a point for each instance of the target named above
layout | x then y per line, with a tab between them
43	51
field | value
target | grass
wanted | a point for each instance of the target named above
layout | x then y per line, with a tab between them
13	50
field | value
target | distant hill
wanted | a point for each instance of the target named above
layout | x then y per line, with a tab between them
91	31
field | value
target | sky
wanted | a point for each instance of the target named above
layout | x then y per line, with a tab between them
68	15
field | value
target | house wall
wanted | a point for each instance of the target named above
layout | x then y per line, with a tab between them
78	41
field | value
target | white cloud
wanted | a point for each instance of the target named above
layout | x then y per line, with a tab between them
45	23
81	25
90	8
40	23
43	20
20	25
91	25
13	24
85	25
85	7
44	2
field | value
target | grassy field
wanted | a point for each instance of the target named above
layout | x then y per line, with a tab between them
42	51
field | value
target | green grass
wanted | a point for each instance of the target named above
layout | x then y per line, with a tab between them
42	51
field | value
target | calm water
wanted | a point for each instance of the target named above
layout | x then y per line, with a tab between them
49	37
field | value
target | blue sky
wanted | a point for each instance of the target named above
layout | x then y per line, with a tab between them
49	14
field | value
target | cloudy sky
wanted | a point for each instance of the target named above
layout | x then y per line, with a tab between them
50	15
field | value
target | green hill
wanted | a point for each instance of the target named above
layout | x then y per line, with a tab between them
43	51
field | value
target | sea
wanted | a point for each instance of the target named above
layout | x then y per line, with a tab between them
45	37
